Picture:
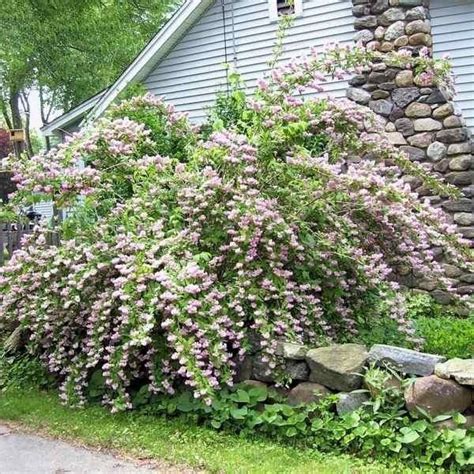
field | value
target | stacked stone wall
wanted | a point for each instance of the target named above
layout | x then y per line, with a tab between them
419	117
429	382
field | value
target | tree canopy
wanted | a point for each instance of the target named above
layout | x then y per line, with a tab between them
69	50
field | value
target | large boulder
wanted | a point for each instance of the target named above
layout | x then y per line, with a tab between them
404	360
351	401
461	370
289	350
296	370
338	367
307	392
437	396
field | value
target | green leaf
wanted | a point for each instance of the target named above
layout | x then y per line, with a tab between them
241	396
259	394
459	419
239	413
409	437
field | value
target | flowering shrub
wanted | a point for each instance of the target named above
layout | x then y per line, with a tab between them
185	249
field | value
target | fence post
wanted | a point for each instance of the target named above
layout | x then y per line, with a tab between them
2	256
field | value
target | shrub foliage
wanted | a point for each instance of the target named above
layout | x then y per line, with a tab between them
184	247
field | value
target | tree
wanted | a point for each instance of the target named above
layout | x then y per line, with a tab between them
69	50
5	144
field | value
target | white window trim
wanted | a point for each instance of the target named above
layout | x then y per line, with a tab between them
273	9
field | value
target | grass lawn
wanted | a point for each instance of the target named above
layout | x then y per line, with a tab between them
174	441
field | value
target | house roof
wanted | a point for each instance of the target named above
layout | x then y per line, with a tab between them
153	52
72	115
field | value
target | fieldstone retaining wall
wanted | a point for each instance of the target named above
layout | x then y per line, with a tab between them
419	118
439	386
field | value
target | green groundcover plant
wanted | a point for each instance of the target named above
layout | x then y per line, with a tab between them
186	245
381	429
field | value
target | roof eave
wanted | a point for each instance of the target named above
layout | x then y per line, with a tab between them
72	115
155	50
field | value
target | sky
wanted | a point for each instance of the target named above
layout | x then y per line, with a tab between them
35	117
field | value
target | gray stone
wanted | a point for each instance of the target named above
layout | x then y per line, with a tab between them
358	95
460	163
426	91
387	86
459	205
396	138
396	113
437	97
451	271
392	15
307	392
427	125
468	278
254	383
421	140
417	13
441	166
404	79
404	96
408	3
401	41
459	178
378	94
466	232
363	36
457	148
461	370
454	121
442	297
437	396
395	30
358	80
244	370
454	135
349	402
427	284
443	111
379	6
365	22
415	109
296	370
382	107
465	290
451	425
415	154
338	366
404	360
380	77
390	127
405	126
464	218
360	10
418	26
420	39
437	151
289	350
379	33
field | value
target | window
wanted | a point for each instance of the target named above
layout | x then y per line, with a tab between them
280	8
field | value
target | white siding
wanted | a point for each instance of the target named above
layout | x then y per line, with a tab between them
194	70
44	208
453	34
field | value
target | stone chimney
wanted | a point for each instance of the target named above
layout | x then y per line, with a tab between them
420	118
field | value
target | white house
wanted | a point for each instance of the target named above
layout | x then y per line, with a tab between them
185	61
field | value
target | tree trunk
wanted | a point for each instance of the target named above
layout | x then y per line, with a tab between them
17	122
26	109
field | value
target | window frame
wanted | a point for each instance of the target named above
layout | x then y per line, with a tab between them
273	9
